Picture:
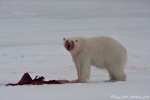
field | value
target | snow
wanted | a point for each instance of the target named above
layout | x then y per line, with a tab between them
31	36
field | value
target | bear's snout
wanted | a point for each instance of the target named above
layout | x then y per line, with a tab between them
68	46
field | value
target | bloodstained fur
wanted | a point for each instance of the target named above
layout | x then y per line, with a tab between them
72	44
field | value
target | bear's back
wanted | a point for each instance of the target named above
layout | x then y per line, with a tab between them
105	49
104	43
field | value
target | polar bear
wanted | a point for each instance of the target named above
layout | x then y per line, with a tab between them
101	52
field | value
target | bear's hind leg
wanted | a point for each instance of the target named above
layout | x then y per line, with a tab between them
116	73
111	77
119	75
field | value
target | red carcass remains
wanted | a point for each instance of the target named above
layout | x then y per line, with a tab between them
27	80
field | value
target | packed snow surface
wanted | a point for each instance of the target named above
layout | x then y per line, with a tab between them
31	40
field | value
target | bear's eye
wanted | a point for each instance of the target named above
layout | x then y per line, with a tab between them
71	41
67	41
76	40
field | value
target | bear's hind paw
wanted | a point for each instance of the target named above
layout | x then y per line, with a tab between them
111	81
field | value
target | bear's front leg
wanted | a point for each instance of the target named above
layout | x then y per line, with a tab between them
76	64
84	65
77	68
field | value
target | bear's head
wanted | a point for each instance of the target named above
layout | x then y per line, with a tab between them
73	44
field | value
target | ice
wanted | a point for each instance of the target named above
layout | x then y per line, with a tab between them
31	40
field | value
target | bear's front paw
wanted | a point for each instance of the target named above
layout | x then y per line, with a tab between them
75	81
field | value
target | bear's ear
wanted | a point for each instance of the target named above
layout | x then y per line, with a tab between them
64	39
76	40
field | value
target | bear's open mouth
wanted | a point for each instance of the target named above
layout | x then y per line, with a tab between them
69	45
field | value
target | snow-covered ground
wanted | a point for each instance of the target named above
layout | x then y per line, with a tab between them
31	37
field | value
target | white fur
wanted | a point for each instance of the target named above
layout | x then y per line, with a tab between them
101	52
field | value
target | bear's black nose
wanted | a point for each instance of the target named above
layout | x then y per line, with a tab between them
68	47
